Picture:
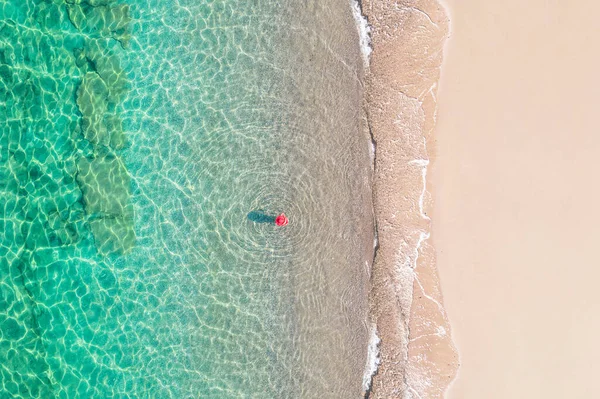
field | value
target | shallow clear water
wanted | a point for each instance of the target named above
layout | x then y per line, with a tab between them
135	139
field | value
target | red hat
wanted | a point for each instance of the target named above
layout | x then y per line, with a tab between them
281	220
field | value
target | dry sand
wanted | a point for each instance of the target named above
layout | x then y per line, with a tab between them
516	218
417	357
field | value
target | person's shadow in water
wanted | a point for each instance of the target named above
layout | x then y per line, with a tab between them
259	216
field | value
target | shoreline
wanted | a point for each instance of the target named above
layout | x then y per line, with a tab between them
414	354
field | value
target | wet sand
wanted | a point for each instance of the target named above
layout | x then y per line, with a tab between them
417	357
516	193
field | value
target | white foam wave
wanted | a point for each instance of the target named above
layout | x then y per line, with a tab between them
423	236
423	163
373	359
364	31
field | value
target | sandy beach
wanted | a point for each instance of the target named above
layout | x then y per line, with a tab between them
417	357
515	221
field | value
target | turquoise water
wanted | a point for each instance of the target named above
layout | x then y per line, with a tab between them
135	139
